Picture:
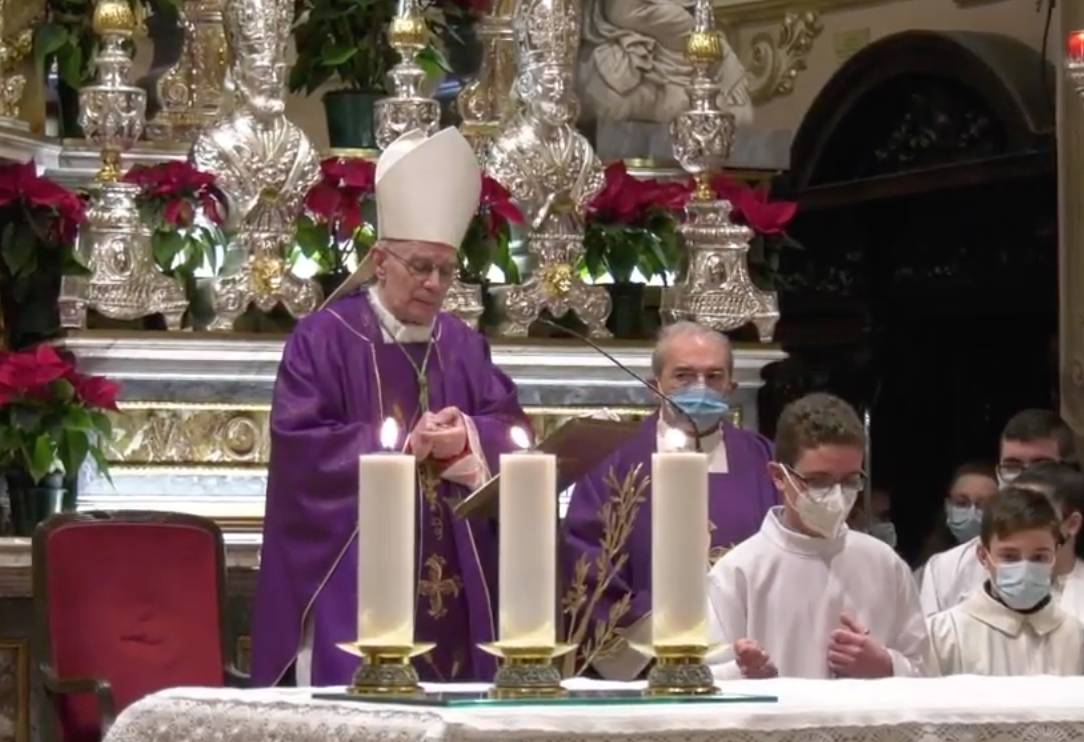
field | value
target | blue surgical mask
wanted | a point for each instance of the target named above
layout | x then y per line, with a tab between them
1021	585
704	405
964	522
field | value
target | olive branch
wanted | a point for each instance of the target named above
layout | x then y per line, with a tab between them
618	515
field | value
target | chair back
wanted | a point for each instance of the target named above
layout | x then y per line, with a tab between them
132	598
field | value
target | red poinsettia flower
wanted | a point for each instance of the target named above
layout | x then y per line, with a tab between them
752	206
323	200
350	173
95	391
497	207
179	213
184	186
627	200
21	182
33	369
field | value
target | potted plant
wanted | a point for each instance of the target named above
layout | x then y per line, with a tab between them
39	222
185	211
347	41
335	230
487	244
768	220
51	418
631	227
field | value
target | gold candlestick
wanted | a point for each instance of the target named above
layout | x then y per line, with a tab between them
527	672
679	670
385	670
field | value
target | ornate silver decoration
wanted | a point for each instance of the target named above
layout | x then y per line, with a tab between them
264	280
482	103
191	91
263	163
124	282
775	62
17	20
715	288
1074	61
550	169
464	300
406	109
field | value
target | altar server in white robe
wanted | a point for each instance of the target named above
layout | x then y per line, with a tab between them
1064	485
1030	437
806	596
1012	625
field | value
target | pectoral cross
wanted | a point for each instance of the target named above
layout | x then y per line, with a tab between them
436	586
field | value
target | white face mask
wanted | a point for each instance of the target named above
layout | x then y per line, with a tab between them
1022	585
825	515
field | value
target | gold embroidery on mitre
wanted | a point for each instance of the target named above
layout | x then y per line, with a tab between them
436	586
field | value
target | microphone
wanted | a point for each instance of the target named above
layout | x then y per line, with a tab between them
651	387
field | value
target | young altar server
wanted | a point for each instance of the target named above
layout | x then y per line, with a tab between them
1064	485
1012	625
806	596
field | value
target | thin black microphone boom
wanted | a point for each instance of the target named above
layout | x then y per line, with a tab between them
652	388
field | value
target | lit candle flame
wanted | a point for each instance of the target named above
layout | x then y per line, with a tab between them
520	439
675	439
389	434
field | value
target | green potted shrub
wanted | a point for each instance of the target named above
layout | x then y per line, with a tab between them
51	419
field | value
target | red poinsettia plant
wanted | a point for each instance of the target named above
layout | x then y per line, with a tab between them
333	231
632	223
488	239
768	220
185	210
39	222
51	416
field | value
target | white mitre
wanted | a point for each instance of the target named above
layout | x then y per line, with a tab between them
427	190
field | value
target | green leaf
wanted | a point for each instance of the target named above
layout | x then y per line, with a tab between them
69	61
102	424
48	39
73	450
42	458
19	250
312	238
27	419
166	244
63	390
102	464
433	61
333	53
78	418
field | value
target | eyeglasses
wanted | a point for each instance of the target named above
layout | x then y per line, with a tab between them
819	486
421	269
688	377
1010	470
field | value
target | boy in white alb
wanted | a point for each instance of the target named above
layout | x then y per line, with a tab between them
806	596
1063	484
1030	437
1012	625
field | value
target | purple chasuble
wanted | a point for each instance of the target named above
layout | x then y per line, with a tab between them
337	382
737	504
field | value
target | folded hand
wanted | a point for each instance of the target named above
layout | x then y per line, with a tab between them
440	435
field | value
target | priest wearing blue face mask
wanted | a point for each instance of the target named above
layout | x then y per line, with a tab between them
694	367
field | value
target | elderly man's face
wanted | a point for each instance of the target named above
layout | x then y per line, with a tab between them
692	359
414	278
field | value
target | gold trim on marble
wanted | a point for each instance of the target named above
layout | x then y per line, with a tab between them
21	668
731	13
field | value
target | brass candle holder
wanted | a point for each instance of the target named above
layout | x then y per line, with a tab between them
680	670
385	670
527	672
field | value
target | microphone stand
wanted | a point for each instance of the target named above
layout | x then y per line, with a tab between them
651	387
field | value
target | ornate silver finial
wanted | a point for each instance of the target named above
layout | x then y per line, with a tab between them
715	288
124	282
550	169
17	21
483	102
261	161
1074	60
406	109
191	91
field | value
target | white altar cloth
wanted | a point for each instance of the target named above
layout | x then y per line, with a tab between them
953	709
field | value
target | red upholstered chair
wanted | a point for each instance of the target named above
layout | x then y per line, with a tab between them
127	603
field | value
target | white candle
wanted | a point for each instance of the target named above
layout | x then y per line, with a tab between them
386	545
679	548
528	549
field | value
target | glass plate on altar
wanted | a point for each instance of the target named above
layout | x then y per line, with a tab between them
615	697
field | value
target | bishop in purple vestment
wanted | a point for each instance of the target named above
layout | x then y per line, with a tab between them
386	351
692	365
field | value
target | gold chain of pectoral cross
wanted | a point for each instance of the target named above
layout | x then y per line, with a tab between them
422	372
